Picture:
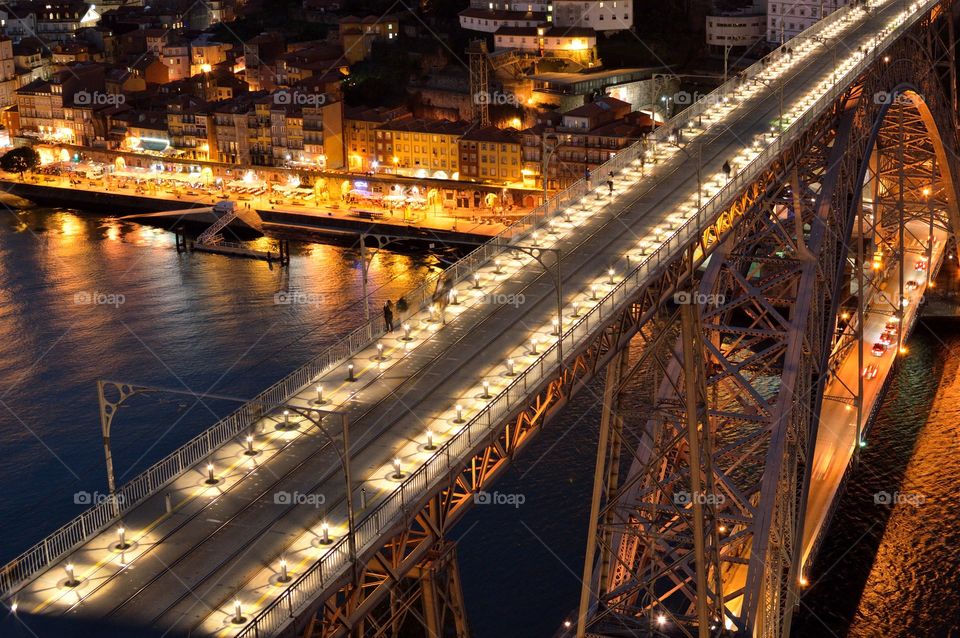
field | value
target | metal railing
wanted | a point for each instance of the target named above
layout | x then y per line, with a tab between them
197	450
450	455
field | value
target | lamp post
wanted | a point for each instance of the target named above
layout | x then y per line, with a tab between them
109	407
672	140
536	253
382	242
779	87
545	161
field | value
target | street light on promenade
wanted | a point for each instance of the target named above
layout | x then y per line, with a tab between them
672	141
779	88
314	415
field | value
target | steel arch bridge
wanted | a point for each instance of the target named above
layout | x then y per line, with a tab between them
740	384
741	317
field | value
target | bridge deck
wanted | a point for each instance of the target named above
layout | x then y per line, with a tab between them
224	541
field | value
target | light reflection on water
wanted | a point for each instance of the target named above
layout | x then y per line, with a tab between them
84	298
893	570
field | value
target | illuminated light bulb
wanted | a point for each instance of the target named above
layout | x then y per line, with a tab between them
610	274
510	367
284	576
486	390
430	445
380	351
593	292
459	409
320	395
237	612
576	309
211	479
71	575
476	280
250	450
453	297
324	533
556	326
497	266
406	332
398	471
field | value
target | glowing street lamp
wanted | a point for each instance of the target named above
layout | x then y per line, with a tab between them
397	469
211	479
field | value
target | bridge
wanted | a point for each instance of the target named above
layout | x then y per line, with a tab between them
747	257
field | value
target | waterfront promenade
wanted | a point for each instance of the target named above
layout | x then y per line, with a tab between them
306	217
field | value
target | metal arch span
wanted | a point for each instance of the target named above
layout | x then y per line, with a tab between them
764	353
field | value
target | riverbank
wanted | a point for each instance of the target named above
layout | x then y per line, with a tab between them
293	221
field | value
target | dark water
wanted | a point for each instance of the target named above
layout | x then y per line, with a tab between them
199	322
893	570
212	324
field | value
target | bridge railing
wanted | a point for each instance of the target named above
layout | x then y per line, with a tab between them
201	447
450	455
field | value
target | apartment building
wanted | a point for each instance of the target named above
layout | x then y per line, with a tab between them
422	148
491	154
360	124
787	18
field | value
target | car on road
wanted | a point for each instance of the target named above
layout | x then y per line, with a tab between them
911	285
887	337
870	371
878	349
921	265
892	326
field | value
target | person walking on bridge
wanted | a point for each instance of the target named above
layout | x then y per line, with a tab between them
388	315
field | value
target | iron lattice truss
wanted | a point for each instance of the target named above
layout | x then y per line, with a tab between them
780	257
703	528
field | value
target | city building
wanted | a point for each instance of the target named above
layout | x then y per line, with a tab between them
582	140
598	15
422	148
573	43
360	124
491	154
46	106
8	73
188	126
786	19
307	135
260	60
357	35
742	28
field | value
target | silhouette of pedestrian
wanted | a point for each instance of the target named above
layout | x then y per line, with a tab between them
727	169
388	315
610	185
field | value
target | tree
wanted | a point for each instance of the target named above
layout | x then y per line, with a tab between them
20	160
